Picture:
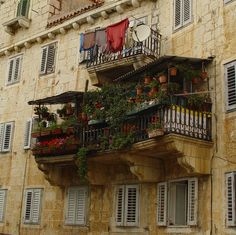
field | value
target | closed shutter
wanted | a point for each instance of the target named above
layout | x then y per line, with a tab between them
192	201
1	135
36	203
80	206
17	69
161	203
51	58
230	199
120	199
2	204
177	14
27	135
71	205
10	71
43	66
23	8
187	13
6	147
131	205
230	75
28	205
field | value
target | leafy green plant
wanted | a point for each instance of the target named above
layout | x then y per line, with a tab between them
154	126
121	141
81	162
196	100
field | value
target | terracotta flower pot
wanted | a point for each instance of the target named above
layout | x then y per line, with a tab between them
173	71
204	75
147	80
195	80
162	78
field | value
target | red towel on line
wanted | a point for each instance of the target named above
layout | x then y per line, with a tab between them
116	35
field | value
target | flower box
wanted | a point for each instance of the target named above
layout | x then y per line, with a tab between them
45	132
35	134
155	133
57	131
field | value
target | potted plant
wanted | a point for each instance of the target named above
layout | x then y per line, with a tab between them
139	90
155	129
162	77
173	71
154	85
147	79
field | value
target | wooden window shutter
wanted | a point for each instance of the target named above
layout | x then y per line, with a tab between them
71	205
43	67
192	201
230	199
23	8
131	205
1	135
27	135
17	66
161	203
51	58
8	130
36	204
177	14
28	205
187	11
120	199
81	206
10	71
230	75
2	203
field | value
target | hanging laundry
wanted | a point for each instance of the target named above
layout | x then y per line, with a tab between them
88	40
116	35
101	39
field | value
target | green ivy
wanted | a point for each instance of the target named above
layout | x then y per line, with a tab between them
81	163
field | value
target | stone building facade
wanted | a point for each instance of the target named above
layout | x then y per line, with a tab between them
175	184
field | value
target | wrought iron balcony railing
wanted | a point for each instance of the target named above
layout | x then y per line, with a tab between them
148	47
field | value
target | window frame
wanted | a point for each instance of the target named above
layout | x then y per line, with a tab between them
32	204
164	210
27	133
44	69
85	206
124	206
4	138
12	79
183	23
19	12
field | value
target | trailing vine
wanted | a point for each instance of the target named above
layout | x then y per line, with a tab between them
81	163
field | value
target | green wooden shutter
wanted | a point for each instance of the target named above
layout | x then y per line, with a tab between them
161	203
192	201
23	8
2	203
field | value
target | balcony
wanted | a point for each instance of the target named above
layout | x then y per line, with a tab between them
100	67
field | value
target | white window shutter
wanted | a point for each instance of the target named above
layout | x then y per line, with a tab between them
27	135
10	71
1	135
43	67
187	11
230	76
178	14
8	130
230	199
2	203
71	205
131	205
120	199
28	205
81	206
35	211
51	58
192	201
161	203
17	69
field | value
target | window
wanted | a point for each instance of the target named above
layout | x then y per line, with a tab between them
23	8
14	69
3	194
230	199
76	206
27	134
226	1
182	13
48	59
127	205
6	131
230	76
32	206
180	197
